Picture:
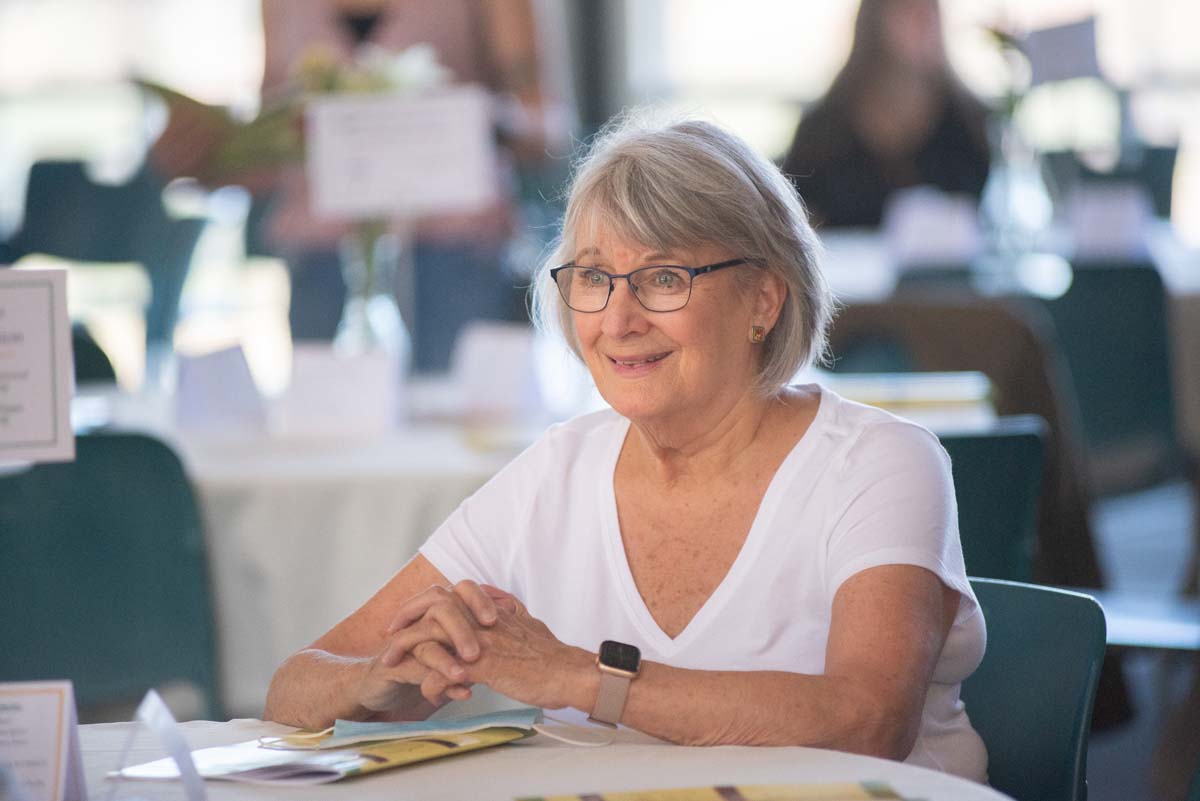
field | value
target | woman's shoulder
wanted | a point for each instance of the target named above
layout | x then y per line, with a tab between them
575	438
860	433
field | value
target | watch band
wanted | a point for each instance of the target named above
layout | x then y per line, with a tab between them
610	701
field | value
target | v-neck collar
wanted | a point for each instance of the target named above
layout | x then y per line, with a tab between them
627	591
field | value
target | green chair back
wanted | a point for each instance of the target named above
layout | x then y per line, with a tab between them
103	578
1031	698
70	216
1112	326
998	485
92	365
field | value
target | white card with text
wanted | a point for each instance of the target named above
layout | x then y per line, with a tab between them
400	154
39	740
36	371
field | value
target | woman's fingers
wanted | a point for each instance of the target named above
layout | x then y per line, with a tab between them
402	643
478	601
466	594
505	600
435	657
415	607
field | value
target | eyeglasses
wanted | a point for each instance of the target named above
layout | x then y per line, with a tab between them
661	288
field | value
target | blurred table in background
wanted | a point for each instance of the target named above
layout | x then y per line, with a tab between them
860	268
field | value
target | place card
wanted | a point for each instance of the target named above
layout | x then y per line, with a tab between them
216	392
36	371
495	372
400	154
333	395
39	741
925	227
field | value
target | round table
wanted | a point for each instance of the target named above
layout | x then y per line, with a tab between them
532	767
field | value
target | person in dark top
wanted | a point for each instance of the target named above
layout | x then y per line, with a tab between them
896	116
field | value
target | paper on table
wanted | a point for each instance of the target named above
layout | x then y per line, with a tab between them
251	763
217	392
925	227
349	732
494	370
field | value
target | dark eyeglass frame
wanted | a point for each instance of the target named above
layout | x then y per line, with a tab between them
612	281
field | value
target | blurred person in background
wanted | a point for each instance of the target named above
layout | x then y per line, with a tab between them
460	260
896	116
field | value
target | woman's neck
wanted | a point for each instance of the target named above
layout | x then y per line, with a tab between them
691	447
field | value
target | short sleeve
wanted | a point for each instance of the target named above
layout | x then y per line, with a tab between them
479	539
897	507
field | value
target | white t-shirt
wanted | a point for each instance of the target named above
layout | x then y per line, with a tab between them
861	488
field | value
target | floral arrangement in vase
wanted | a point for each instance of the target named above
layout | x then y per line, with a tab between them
209	144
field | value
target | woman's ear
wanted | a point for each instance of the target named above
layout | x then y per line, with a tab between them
769	299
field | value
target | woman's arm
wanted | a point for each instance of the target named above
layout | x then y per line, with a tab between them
888	627
343	675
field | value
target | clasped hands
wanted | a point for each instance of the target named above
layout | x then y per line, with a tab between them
443	640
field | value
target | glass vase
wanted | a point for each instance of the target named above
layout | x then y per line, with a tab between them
371	320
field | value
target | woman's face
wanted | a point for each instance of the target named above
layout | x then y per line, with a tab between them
665	366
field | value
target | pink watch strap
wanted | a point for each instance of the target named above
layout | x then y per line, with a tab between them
610	701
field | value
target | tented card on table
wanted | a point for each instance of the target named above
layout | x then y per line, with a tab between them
39	742
216	391
335	395
400	154
36	371
1063	52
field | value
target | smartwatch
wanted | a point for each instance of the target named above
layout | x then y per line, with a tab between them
618	663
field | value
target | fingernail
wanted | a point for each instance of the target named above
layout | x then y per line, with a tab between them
457	672
489	618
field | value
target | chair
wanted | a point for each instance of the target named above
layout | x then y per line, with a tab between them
70	216
1112	326
1031	698
104	576
998	484
1015	349
92	365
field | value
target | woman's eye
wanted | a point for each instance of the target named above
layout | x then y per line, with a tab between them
665	279
594	278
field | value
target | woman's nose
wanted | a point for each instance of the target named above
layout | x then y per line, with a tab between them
624	314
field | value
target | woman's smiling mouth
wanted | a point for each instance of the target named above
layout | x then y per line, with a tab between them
636	365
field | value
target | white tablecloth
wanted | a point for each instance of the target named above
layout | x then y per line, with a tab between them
535	766
300	535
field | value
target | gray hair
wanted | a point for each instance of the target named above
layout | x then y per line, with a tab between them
678	185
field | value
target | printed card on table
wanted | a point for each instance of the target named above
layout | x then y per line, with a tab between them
39	742
385	155
36	371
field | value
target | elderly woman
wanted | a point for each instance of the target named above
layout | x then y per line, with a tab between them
720	558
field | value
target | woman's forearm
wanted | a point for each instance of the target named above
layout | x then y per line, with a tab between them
313	688
700	707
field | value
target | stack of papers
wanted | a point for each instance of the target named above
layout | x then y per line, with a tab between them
348	749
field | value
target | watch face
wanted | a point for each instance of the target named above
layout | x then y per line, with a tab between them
620	656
